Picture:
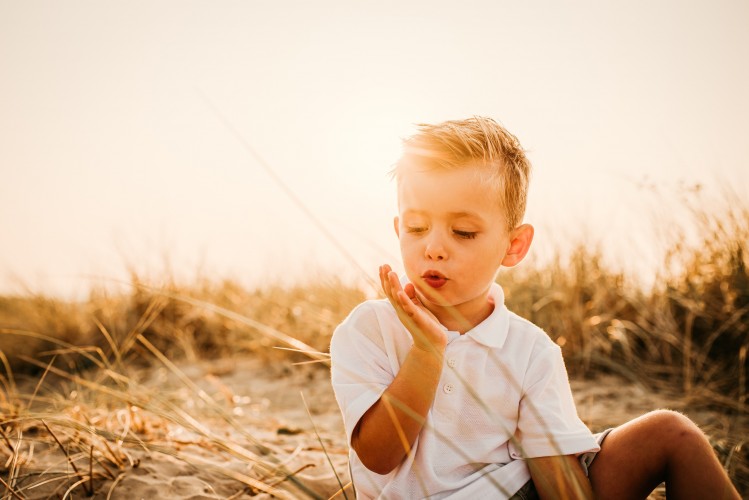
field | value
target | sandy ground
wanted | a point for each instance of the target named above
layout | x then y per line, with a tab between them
267	402
289	409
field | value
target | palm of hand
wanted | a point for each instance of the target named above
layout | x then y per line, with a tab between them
426	330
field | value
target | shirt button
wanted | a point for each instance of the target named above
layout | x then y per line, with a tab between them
451	362
448	388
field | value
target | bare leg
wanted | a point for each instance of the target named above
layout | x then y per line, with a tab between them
659	446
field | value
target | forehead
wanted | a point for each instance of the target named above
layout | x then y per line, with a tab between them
463	191
423	162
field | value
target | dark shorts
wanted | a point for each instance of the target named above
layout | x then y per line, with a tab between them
528	491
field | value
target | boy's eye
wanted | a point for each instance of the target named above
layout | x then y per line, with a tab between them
466	235
415	229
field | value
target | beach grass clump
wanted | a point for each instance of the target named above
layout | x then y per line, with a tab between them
702	299
582	304
688	329
199	321
211	320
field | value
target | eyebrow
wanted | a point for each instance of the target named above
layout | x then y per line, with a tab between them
455	215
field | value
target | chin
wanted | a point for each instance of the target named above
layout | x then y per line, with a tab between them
438	299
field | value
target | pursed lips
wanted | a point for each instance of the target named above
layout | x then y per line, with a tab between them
435	279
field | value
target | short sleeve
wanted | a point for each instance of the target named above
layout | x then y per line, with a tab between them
360	367
548	424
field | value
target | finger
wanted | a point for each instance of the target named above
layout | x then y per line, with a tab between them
385	282
411	315
410	291
420	320
413	308
385	270
395	284
406	303
391	286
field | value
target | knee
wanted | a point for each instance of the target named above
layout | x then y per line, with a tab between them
670	420
672	428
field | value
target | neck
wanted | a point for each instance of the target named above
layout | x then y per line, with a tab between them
463	317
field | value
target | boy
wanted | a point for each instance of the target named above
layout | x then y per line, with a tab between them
445	393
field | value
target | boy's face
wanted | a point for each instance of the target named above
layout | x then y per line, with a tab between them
453	237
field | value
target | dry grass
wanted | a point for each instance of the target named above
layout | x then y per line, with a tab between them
204	320
77	416
689	331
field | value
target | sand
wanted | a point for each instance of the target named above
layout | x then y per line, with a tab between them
263	403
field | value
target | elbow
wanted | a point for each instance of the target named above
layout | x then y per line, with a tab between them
382	466
375	458
378	465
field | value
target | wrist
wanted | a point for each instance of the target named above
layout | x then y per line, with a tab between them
429	352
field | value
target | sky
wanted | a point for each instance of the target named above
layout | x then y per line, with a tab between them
251	140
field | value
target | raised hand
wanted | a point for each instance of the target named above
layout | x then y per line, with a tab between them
386	433
424	327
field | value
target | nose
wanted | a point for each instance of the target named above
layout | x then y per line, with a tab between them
435	249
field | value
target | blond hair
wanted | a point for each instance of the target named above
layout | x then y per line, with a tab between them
477	140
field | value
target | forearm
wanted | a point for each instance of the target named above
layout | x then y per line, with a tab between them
387	431
559	477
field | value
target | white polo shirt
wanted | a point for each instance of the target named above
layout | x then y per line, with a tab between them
503	395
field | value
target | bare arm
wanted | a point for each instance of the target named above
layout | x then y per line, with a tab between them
559	477
385	434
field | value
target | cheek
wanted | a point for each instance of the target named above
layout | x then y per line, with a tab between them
409	252
409	245
405	249
493	256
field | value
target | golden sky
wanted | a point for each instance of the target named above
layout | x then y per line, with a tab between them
119	124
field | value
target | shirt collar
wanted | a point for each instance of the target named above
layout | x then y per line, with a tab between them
492	332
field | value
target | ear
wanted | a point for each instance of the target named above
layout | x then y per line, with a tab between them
520	242
396	226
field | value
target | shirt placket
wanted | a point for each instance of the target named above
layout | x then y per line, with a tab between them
447	398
